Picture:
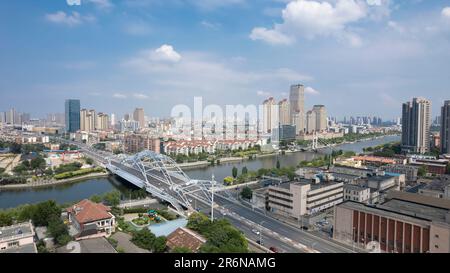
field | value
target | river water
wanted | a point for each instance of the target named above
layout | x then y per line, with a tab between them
85	189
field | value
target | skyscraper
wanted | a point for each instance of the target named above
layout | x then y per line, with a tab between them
416	122
284	112
297	105
310	122
445	128
139	116
270	115
72	108
321	117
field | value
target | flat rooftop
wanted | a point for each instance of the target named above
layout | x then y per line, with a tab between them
416	210
23	230
30	248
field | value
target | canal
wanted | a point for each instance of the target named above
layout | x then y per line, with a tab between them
85	189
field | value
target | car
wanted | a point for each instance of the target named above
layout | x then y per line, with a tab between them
255	231
273	249
260	243
304	228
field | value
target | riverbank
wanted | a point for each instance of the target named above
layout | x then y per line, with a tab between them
48	183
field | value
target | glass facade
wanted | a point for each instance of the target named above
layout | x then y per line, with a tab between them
72	115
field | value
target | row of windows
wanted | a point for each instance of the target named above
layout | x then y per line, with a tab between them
281	192
280	198
279	204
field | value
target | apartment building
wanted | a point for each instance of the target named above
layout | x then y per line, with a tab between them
18	238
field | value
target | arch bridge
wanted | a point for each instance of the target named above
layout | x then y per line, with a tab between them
161	176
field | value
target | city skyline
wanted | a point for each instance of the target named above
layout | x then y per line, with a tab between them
122	55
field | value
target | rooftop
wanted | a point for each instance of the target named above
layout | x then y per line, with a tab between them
16	231
183	237
87	211
30	248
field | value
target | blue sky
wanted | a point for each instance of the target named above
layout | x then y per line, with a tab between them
355	56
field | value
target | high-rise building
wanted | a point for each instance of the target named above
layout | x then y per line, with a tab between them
113	120
102	122
270	115
321	117
445	128
311	122
416	119
88	120
72	119
139	116
284	112
297	105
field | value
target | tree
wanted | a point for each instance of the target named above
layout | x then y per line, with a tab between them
112	198
181	250
228	180
278	164
38	164
96	198
89	161
44	212
244	170
422	171
58	230
235	172
159	244
247	193
2	170
6	219
143	239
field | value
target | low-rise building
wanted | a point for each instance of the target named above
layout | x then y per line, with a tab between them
438	188
135	143
91	220
432	166
357	193
186	238
18	238
409	171
406	223
304	198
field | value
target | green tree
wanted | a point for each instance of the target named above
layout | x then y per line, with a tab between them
144	239
159	244
6	219
247	193
278	164
44	212
2	170
89	161
235	172
112	198
228	180
181	250
96	198
422	171
58	230
38	164
199	222
244	170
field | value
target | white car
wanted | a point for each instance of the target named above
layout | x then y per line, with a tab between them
255	231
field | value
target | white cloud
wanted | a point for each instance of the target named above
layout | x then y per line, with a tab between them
140	96
119	96
270	36
311	91
71	20
165	53
210	25
263	94
446	12
311	19
202	73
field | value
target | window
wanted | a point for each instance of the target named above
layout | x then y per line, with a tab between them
13	244
436	246
436	236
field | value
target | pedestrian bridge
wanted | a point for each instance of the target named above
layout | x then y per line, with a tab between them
161	176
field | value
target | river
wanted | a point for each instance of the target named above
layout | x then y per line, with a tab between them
84	189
